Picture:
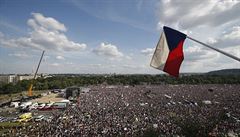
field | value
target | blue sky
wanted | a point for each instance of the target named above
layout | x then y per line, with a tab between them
113	36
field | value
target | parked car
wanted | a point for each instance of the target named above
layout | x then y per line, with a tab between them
25	104
15	104
25	117
41	106
39	118
14	119
33	106
47	106
2	119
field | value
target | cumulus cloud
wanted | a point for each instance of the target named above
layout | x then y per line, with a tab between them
229	39
60	58
148	51
40	22
211	41
188	14
108	50
46	33
210	21
233	50
234	34
210	61
196	53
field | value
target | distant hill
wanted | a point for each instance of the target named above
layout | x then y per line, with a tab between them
225	72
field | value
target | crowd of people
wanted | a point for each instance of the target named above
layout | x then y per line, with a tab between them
165	110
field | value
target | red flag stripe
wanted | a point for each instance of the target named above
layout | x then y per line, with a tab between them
174	60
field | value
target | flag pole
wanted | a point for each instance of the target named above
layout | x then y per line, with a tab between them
218	50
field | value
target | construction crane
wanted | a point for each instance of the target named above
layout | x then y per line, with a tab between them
31	85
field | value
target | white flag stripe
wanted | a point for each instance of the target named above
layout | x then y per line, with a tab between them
161	53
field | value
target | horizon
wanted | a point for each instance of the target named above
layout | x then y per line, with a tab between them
107	37
116	73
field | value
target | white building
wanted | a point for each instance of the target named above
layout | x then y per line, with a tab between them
24	77
7	78
10	78
4	79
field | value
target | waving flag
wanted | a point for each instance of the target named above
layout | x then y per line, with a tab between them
168	55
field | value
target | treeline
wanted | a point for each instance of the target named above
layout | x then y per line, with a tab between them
63	81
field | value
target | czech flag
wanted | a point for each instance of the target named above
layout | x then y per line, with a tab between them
168	55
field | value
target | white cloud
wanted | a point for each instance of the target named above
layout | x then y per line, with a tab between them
60	58
210	21
189	14
55	64
148	51
196	53
128	57
229	39
46	34
108	50
233	50
41	22
204	20
234	34
211	41
19	55
201	59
